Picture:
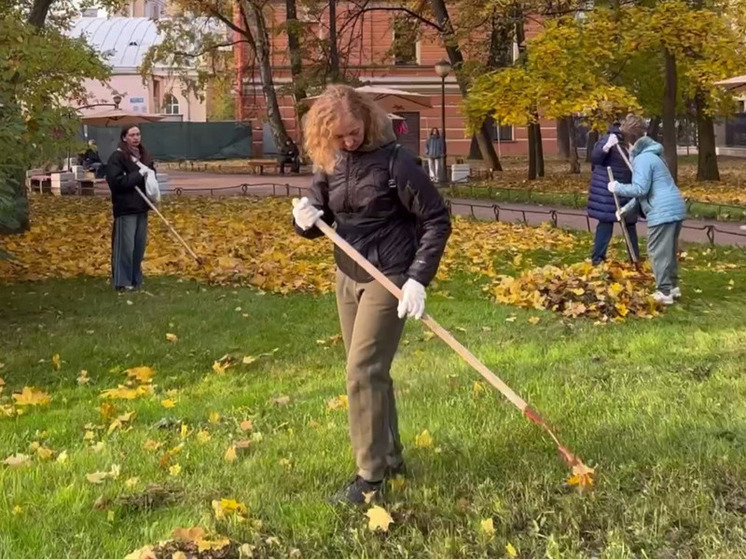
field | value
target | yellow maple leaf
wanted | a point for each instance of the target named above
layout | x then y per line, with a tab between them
29	396
248	359
62	457
423	440
132	482
56	361
487	526
44	453
534	320
219	367
107	410
582	476
192	534
338	403
125	393
17	510
152	445
212	545
174	470
214	417
83	377
97	478
203	436
173	338
17	461
140	374
378	518
168	403
510	550
230	454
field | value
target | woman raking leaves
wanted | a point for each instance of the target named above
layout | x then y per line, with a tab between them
385	206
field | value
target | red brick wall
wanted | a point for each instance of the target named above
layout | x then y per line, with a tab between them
371	40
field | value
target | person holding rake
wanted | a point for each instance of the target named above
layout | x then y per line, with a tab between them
654	190
385	206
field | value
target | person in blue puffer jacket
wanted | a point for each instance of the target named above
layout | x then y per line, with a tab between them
653	188
601	205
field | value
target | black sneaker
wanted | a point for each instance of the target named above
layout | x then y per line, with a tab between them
358	491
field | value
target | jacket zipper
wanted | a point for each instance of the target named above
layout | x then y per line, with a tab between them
348	206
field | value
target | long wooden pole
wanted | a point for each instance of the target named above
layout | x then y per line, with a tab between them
452	342
171	228
622	224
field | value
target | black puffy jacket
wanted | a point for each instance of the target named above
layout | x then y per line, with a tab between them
385	206
123	177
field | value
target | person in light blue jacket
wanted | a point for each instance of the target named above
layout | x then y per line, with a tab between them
655	191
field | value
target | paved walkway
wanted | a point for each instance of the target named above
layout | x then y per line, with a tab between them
723	233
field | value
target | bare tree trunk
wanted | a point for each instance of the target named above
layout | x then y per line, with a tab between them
457	61
669	115
539	148
574	159
654	128
531	152
592	139
258	31
296	57
333	46
707	162
563	138
39	11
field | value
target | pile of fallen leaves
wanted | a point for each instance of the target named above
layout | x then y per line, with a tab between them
611	291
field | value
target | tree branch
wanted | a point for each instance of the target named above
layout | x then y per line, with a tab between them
407	11
211	48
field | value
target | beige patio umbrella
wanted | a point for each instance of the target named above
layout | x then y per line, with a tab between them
736	85
392	100
118	117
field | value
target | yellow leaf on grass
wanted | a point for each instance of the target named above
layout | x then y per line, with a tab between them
219	368
125	393
107	410
338	403
230	454
83	377
423	440
172	337
29	396
192	534
487	526
248	359
17	510
62	457
534	320
214	418
378	518
229	507
174	470
56	361
178	555
44	453
132	482
203	436
97	478
152	445
246	425
142	553
17	461
168	403
141	374
582	476
427	336
212	545
510	550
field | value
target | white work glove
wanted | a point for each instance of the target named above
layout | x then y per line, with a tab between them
610	143
612	186
620	215
412	303
305	214
144	171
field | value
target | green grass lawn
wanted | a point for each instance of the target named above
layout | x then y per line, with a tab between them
657	406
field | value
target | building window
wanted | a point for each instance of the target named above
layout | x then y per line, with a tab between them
500	133
170	104
742	107
405	41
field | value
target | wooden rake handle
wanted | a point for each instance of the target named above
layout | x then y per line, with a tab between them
170	227
446	336
622	224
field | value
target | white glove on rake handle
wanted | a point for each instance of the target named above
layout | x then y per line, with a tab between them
580	471
610	143
412	303
305	214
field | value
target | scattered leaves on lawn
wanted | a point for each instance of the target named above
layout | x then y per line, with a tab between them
378	518
30	396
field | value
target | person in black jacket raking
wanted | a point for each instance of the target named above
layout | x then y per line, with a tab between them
130	230
600	201
385	206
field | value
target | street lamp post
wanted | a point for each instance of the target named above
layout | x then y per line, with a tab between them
443	68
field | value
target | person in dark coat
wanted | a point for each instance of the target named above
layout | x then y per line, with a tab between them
130	231
91	160
384	205
601	205
289	154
